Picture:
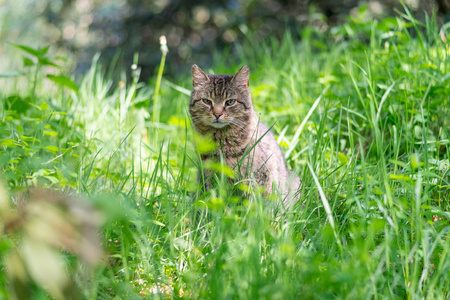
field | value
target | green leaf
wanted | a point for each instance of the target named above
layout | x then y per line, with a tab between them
52	179
19	129
8	143
377	224
47	62
44	50
427	66
63	81
414	161
221	168
400	177
342	158
215	203
50	133
29	139
27	62
204	144
52	149
158	223
17	104
29	50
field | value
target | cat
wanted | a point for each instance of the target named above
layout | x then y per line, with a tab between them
221	106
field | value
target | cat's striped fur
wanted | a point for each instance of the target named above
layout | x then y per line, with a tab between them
221	106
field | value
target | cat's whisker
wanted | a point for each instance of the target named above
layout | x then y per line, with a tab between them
238	125
236	122
241	122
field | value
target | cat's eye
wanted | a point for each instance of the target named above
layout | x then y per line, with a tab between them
230	102
206	101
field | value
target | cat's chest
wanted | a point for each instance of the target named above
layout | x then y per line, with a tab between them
229	153
230	148
230	142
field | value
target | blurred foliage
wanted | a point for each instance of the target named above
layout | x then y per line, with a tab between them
47	237
196	30
377	144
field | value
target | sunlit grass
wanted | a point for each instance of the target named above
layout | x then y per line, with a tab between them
362	114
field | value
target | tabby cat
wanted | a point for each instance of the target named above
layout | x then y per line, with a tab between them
221	106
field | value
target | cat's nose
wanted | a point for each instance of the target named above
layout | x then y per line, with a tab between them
217	115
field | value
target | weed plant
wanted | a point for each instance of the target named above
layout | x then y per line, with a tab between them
362	113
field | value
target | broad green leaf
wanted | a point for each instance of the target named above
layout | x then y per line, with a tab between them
215	203
244	187
221	168
50	133
52	149
342	158
377	191
287	249
44	50
377	224
400	177
327	79
204	144
414	161
46	62
52	179
63	81
17	103
427	66
180	122
8	143
29	139
29	50
27	62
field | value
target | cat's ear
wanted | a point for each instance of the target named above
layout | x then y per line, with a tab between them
198	76
242	76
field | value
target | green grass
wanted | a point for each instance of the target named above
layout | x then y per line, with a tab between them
363	115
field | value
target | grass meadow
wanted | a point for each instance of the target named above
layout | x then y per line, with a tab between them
361	112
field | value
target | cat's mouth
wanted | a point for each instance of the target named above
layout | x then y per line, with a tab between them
218	124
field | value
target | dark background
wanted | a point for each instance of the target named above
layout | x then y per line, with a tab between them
195	29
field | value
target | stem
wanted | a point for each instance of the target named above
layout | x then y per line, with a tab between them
158	83
35	78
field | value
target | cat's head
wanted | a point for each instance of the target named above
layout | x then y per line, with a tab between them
220	100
